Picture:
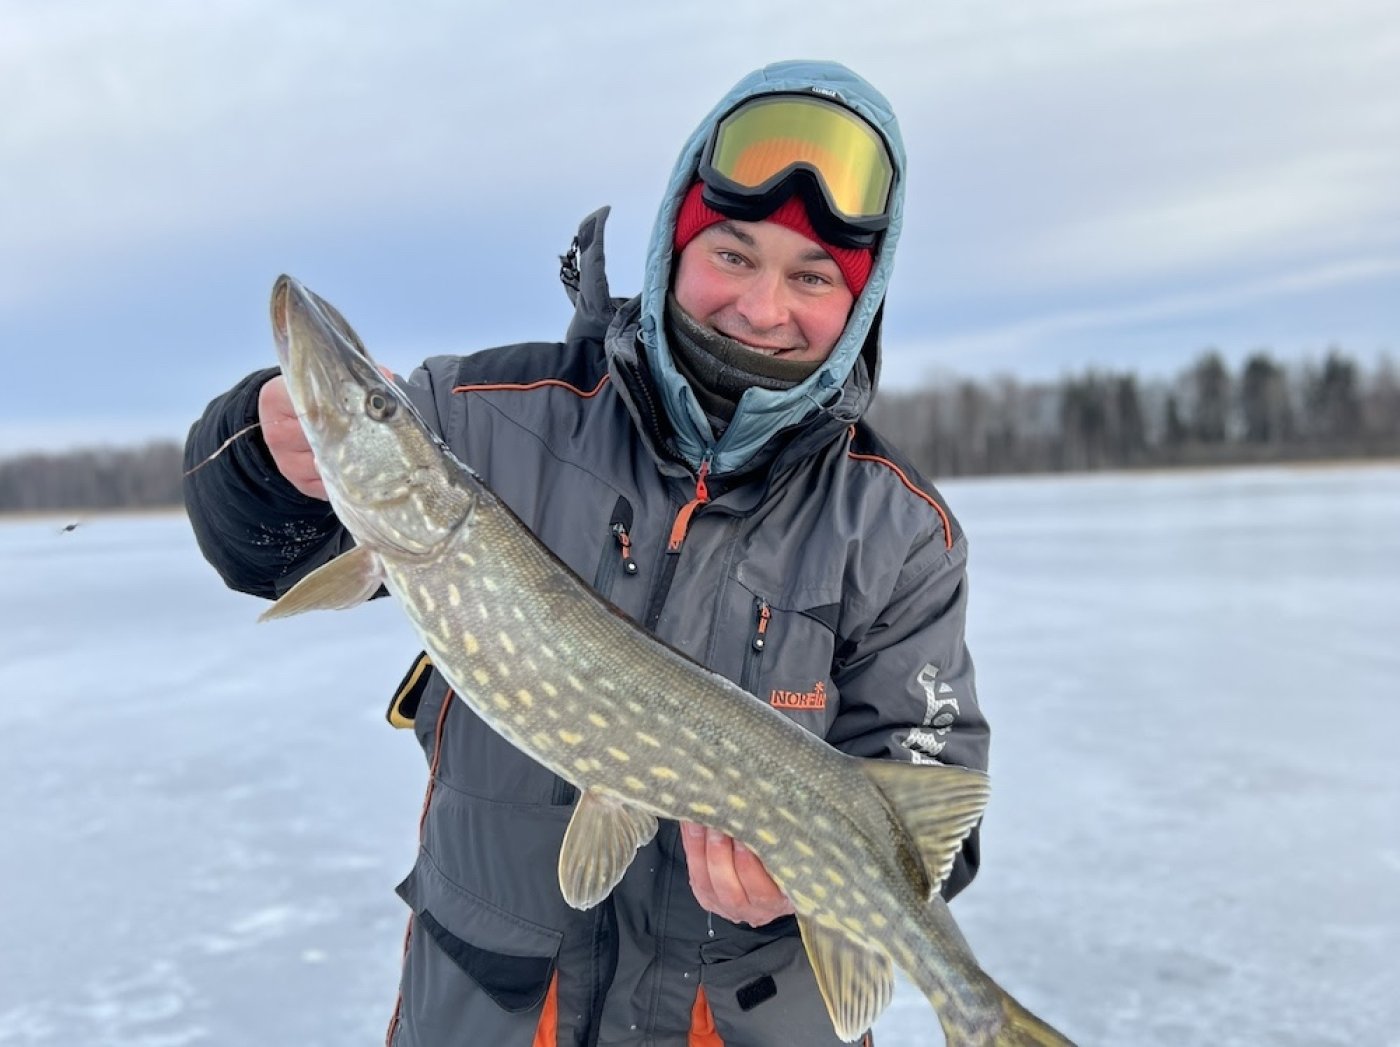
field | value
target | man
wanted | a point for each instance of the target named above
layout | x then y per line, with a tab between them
697	453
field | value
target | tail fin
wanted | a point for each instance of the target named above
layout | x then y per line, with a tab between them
1024	1029
1018	1027
1021	1029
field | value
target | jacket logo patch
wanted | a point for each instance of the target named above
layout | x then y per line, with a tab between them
813	699
928	740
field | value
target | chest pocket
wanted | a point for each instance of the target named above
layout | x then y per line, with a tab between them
784	653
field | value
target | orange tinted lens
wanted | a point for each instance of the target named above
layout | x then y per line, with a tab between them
771	135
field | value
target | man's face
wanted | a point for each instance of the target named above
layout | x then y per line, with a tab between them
766	286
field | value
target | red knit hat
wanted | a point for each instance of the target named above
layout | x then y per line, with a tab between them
695	216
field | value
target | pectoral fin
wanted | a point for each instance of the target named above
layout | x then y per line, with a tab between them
856	984
602	839
350	579
937	804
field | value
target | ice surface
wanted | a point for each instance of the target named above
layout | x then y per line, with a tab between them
1194	684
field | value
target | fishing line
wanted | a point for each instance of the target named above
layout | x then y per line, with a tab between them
222	448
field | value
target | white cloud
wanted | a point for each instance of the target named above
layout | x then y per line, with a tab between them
166	119
1257	215
1095	144
60	433
1030	343
1093	151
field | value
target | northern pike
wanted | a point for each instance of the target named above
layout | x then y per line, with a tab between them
859	846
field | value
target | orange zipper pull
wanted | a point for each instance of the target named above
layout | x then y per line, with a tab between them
682	524
760	636
624	541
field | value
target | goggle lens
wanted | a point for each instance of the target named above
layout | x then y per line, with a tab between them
762	141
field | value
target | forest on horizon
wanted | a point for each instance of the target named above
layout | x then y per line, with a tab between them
1208	414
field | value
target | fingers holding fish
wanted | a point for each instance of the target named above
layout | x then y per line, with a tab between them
729	880
286	440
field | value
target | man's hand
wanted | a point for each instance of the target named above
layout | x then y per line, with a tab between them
285	439
282	432
729	880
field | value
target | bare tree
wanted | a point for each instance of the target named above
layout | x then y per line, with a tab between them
101	478
1095	420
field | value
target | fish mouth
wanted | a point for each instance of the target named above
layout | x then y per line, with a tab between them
317	349
333	383
327	369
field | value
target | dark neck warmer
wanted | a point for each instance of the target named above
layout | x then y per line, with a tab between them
719	369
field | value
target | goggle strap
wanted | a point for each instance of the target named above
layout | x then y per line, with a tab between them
746	206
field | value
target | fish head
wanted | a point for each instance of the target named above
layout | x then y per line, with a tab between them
389	477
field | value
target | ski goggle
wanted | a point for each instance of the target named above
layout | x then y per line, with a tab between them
769	147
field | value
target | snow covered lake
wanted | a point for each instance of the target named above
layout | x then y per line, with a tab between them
1194	837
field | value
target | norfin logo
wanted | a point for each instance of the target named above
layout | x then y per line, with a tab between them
813	699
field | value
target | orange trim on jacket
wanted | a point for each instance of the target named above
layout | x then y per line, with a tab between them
422	818
942	515
528	386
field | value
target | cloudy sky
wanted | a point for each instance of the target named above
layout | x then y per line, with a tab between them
1093	182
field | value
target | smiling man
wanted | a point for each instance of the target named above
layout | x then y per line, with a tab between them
698	454
755	303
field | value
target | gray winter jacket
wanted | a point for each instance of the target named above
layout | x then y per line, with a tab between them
818	570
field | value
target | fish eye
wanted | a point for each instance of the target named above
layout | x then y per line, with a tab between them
379	406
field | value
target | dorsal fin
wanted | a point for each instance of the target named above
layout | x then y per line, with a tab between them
938	805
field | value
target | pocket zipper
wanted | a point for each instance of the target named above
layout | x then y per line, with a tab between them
758	641
617	550
624	545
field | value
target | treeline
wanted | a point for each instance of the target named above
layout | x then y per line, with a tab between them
100	478
1208	415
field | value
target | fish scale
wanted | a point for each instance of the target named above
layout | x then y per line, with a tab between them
571	675
644	732
574	674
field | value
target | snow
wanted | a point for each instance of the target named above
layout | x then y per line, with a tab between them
1192	680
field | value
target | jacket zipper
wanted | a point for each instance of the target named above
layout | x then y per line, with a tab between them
635	379
617	550
679	528
758	642
624	548
682	522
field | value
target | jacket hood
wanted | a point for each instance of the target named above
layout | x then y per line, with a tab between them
838	385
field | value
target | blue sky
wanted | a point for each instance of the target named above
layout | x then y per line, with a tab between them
1093	182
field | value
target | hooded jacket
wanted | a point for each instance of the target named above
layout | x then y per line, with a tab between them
843	385
815	568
